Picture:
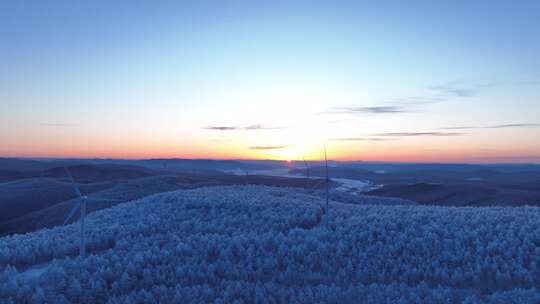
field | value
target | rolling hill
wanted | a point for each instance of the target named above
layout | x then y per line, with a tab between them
445	184
20	197
257	244
100	172
45	202
462	194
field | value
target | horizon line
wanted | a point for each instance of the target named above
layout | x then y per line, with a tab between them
37	158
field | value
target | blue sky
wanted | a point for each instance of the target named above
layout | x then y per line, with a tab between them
381	81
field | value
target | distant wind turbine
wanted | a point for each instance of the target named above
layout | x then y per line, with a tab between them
81	203
326	165
306	165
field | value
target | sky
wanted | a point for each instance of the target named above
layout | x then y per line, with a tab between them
422	81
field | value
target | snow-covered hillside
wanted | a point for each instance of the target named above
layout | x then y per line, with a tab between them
255	244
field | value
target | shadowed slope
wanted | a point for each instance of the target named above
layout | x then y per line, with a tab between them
21	197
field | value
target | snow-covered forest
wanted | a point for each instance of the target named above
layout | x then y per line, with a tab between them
256	244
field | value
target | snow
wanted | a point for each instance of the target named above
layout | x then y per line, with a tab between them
283	172
256	244
353	185
474	179
34	272
346	185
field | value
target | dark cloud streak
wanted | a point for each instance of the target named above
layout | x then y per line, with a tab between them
518	125
359	139
455	89
220	128
419	100
241	128
268	147
501	126
366	110
413	134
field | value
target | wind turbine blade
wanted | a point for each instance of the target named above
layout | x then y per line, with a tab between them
103	199
73	184
72	212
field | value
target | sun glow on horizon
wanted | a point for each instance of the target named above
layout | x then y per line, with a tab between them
264	81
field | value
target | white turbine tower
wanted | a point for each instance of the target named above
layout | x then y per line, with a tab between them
306	166
81	203
327	179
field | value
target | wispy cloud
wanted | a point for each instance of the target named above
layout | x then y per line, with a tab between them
460	128
389	106
455	89
221	128
366	110
58	125
501	126
241	128
515	125
359	139
462	88
412	134
419	100
268	147
378	109
260	127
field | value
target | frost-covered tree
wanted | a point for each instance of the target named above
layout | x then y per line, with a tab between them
256	244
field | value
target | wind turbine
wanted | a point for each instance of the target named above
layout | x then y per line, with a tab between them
306	165
81	203
327	180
